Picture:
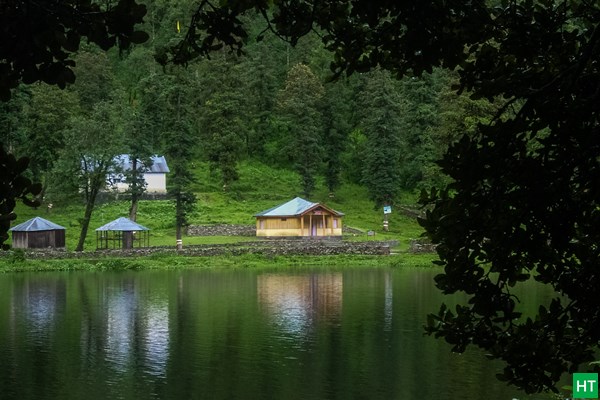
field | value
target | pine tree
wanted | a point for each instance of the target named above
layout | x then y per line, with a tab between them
420	124
381	124
168	97
336	124
223	121
299	103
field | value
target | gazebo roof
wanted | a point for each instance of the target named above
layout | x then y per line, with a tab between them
294	207
37	224
122	224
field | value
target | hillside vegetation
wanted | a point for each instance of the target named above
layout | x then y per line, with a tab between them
259	187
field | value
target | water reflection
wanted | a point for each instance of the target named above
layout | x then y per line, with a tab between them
296	302
121	316
156	338
136	329
348	334
39	302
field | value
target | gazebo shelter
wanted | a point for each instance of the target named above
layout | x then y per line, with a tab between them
122	233
38	233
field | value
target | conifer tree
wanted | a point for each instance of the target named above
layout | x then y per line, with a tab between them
382	126
336	127
299	103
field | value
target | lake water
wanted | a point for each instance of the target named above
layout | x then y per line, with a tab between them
233	334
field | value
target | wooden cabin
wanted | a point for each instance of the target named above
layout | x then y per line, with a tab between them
299	218
122	233
38	233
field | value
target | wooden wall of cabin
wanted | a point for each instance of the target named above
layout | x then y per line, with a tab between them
313	225
38	239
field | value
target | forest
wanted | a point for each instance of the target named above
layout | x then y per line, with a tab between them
274	104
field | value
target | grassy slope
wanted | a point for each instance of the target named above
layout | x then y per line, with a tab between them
259	188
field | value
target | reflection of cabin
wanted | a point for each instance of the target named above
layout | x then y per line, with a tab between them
299	217
154	174
38	233
122	233
295	301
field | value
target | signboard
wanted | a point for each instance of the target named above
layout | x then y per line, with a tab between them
387	209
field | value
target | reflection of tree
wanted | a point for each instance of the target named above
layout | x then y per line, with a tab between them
41	301
296	301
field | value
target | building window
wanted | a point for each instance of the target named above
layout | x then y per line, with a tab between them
262	224
284	219
335	223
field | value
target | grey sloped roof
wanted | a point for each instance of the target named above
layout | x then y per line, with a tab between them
294	207
122	224
37	224
159	164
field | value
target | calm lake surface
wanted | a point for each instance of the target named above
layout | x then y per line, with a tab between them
233	334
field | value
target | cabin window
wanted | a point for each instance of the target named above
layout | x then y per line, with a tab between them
335	223
262	224
284	219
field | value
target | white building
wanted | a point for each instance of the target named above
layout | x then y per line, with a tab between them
155	175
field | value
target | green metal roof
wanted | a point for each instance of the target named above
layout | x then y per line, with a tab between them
294	207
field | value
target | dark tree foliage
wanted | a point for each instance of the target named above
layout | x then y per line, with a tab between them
13	186
382	127
51	31
524	200
299	104
222	119
420	119
336	127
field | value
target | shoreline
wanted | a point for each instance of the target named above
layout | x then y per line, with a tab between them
18	261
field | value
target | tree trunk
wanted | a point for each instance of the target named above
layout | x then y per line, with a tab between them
134	189
178	237
133	208
89	208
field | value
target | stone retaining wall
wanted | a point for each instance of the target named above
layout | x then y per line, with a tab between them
221	230
421	246
278	248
